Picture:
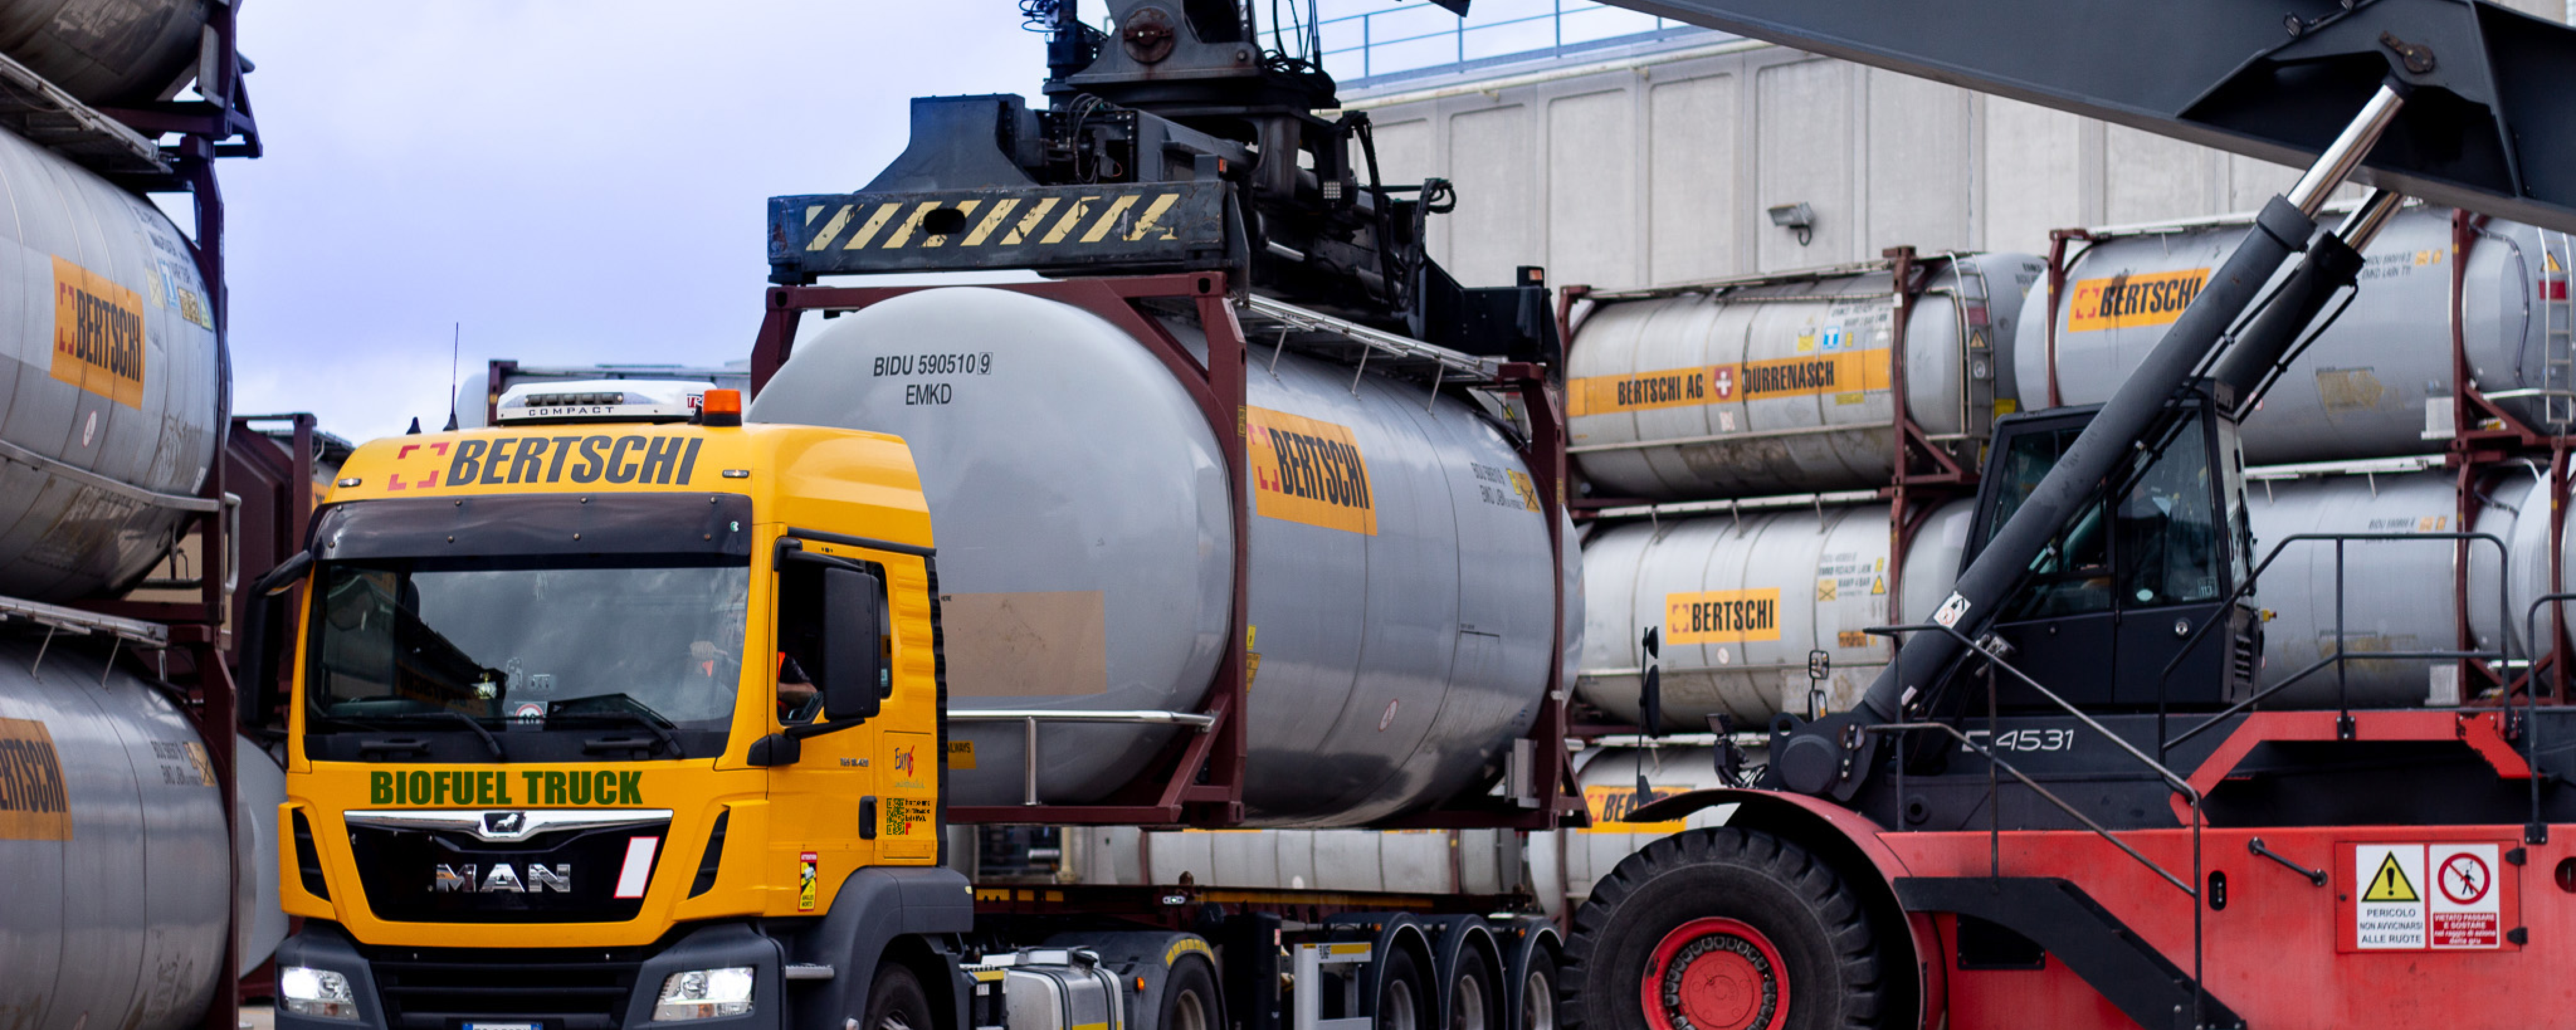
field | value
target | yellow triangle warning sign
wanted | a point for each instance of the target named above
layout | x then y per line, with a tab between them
1878	585
2389	883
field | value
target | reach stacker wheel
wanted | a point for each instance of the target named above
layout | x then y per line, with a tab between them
1722	929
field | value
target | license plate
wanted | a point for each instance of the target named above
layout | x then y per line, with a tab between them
504	1026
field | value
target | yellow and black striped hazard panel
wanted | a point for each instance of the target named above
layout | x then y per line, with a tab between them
1174	224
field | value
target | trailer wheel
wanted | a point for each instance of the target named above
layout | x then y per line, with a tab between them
1475	1001
896	1001
1538	992
1722	929
1189	997
1402	996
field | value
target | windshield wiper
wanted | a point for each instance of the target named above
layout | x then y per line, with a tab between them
446	714
624	709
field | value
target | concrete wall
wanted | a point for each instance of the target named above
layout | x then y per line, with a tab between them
1658	168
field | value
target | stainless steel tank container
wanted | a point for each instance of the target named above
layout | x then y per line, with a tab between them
1401	615
2420	614
1799	580
106	51
2362	388
1782	384
111	380
113	910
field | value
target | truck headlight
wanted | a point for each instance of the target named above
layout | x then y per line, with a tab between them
705	994
318	993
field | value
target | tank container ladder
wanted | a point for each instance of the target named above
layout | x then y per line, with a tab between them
2128	951
2558	332
1976	316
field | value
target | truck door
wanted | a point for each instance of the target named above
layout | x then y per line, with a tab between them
824	802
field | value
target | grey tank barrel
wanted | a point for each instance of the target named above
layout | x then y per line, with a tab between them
2332	265
1813	761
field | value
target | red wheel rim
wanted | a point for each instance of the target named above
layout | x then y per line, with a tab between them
1715	974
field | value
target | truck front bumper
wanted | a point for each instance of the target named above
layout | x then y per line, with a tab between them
532	988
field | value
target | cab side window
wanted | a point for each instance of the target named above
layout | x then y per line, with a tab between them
803	661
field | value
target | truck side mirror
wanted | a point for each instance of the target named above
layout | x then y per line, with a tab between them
854	672
261	641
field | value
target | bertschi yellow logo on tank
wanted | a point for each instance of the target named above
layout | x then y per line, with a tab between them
1843	372
1610	807
1722	616
33	803
2123	301
1308	471
98	334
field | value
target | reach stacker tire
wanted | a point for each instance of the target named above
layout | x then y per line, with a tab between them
1723	929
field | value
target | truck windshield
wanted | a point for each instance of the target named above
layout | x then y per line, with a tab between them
527	644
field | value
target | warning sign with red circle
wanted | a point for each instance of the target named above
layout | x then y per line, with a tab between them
2466	909
2464	878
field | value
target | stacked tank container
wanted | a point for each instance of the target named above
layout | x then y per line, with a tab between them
2376	381
1757	388
119	888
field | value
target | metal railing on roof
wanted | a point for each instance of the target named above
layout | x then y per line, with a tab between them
1370	43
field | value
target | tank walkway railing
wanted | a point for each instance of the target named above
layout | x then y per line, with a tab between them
1994	810
58	620
1029	718
1282	326
52	118
2342	651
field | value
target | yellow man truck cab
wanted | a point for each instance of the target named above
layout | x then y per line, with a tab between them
616	715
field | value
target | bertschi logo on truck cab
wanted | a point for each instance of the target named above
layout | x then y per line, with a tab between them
615	459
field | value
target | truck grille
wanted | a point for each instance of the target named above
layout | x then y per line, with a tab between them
435	989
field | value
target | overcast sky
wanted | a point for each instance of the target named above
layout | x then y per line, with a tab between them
574	182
